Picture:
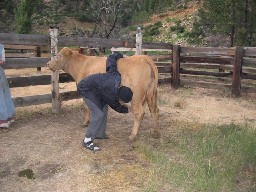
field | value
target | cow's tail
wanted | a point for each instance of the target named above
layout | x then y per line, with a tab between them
151	94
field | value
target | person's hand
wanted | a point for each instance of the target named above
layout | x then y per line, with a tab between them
1	62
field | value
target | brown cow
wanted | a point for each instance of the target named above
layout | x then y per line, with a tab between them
138	72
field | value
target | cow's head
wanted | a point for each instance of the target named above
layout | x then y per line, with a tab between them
60	60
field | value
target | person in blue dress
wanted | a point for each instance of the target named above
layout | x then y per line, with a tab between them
7	108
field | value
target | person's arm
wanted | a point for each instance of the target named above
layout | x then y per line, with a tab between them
112	62
113	101
2	54
117	106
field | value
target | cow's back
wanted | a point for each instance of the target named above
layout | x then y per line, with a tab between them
137	71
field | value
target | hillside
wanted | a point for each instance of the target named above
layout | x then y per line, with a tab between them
184	17
156	28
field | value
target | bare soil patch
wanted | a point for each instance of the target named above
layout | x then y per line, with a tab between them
50	145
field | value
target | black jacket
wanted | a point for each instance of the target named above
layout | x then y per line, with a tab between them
102	88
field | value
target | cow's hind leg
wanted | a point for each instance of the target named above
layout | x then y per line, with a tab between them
138	113
152	105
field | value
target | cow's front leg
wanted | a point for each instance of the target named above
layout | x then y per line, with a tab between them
138	113
86	116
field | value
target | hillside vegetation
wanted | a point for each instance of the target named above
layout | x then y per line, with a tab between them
193	22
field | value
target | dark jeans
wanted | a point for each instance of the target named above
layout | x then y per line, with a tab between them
98	120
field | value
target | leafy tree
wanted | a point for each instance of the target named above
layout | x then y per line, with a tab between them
23	15
106	14
8	6
229	17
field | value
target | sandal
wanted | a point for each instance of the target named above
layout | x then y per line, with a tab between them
91	146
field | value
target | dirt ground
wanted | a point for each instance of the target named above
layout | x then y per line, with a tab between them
50	145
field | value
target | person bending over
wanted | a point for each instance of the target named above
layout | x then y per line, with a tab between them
99	91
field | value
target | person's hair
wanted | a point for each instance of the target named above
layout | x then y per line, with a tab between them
125	94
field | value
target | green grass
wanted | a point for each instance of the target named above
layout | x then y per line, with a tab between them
210	158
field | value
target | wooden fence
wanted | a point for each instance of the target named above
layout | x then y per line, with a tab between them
235	64
225	64
45	43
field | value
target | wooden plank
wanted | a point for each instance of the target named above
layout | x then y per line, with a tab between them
43	99
29	81
19	55
69	95
123	49
161	57
249	51
107	43
248	89
37	80
237	69
207	66
55	74
20	63
19	47
206	73
248	70
248	76
164	69
249	62
163	81
138	42
94	42
157	46
219	60
162	63
207	51
24	39
200	65
204	84
176	67
38	54
32	100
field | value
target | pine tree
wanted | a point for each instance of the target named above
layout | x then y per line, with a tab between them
23	16
229	17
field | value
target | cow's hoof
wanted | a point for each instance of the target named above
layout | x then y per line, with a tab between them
156	135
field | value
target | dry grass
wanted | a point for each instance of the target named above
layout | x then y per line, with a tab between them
50	145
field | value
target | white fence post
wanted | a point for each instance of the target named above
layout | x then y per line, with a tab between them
55	75
138	42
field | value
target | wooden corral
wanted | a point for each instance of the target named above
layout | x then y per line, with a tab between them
225	67
44	42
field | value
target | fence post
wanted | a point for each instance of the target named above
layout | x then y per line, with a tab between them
175	72
55	75
237	69
138	42
38	54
